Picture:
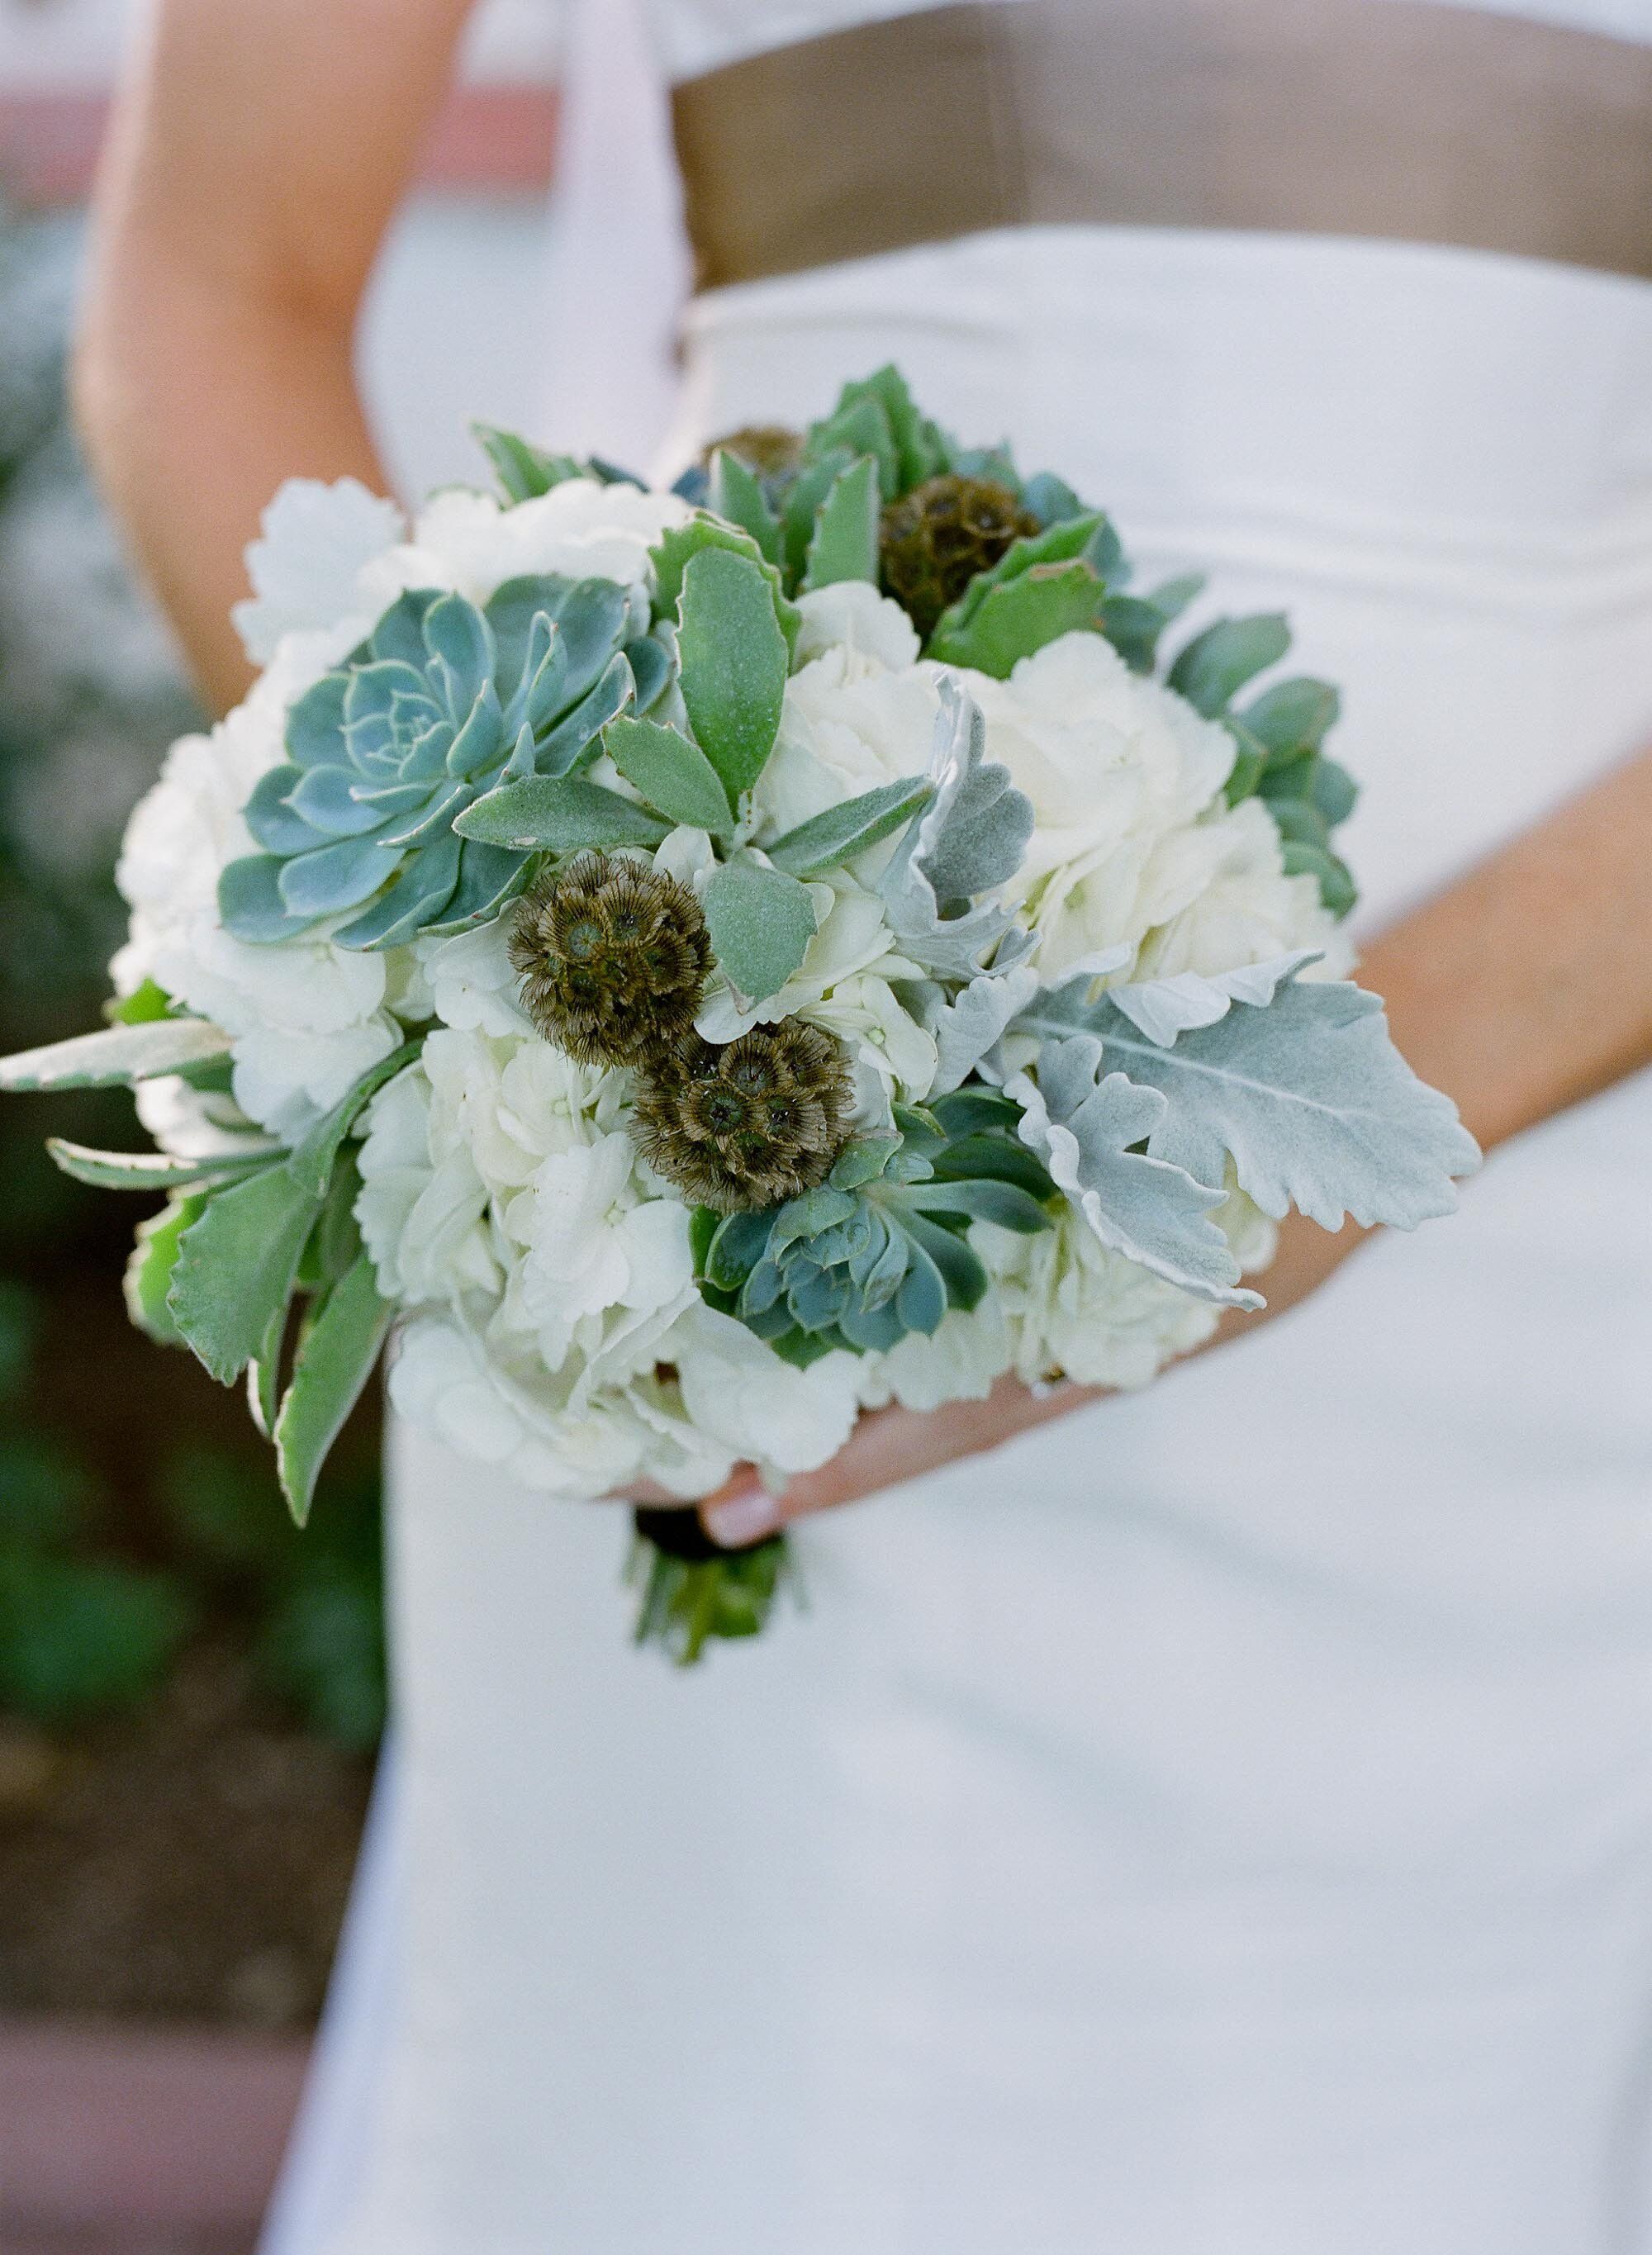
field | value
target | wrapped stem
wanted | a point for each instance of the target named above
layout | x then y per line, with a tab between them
694	1590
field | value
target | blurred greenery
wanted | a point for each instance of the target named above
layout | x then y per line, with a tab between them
124	1532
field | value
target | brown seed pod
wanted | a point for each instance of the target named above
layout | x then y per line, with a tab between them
613	957
769	450
933	541
751	1123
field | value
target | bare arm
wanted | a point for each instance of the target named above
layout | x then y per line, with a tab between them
258	153
1524	988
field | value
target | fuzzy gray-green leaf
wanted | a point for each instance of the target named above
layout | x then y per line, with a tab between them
236	1266
674	775
558	814
115	1056
827	840
732	658
761	922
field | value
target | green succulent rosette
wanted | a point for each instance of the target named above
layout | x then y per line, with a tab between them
444	702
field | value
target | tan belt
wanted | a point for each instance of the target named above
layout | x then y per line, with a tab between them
1396	118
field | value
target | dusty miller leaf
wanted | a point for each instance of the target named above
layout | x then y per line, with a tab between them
970	838
1151	1210
1310	1098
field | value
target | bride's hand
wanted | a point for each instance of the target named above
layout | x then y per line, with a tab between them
891	1445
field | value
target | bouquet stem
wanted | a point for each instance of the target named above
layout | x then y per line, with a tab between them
694	1590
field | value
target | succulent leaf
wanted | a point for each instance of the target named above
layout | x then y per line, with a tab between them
441	705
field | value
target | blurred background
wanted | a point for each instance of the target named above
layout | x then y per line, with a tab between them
191	1693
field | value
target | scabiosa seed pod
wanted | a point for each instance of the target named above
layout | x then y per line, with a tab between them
613	957
751	1123
933	541
769	450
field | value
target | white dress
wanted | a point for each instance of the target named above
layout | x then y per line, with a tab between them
1218	1823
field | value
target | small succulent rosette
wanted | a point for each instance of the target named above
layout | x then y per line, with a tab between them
687	967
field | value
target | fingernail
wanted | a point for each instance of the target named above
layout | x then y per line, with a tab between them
743	1519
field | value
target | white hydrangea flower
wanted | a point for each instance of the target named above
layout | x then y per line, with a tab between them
1243	908
306	567
470	981
852	616
472	543
737	1389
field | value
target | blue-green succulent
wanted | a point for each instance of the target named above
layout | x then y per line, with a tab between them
441	703
880	1249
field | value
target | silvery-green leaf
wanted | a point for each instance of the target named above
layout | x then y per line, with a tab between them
1163	1009
844	543
736	495
237	1265
1312	1101
115	1056
456	632
1219	661
732	664
970	838
827	840
761	922
336	1353
149	1171
967	1027
558	814
961	1269
1153	1211
322	800
815	477
673	775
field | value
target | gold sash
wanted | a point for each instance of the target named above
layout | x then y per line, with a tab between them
1402	119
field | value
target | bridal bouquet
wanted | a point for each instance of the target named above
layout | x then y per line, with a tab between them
690	965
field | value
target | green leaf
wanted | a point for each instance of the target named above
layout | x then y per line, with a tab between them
1292	717
523	471
145	1171
860	425
1019	617
1335	879
1087	539
235	1268
808	489
677	549
1333	790
263	1375
141	1007
311	1165
673	775
148	1271
558	814
735	493
825	841
921	447
336	1353
761	922
1250	759
844	543
733	658
116	1057
1218	663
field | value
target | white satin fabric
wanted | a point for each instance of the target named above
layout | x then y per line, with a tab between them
1219	1824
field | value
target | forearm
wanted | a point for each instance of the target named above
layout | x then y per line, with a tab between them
196	402
256	153
1527	985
